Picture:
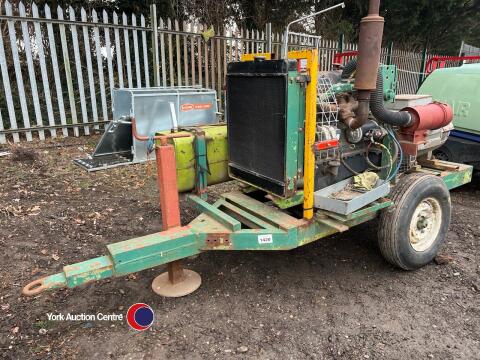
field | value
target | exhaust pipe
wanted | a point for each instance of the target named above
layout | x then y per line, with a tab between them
369	48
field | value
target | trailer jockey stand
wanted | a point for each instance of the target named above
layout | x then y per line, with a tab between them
176	281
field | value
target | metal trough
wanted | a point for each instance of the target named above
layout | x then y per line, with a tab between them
323	198
155	109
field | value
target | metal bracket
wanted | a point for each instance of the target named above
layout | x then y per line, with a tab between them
221	240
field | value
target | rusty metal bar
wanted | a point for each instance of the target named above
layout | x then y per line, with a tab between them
163	138
168	189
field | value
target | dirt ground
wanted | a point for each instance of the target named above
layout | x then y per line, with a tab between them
334	299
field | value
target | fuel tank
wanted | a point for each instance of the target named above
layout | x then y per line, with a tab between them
186	159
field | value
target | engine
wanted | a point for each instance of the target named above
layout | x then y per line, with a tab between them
356	133
368	135
408	127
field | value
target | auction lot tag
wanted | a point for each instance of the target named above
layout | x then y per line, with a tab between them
265	239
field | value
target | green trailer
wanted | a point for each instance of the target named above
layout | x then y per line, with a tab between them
255	218
312	161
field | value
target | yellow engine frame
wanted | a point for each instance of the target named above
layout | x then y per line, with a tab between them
311	56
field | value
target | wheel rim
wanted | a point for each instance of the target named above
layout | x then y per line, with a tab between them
425	224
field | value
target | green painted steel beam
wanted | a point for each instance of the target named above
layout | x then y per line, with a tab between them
373	207
153	250
455	180
459	177
314	232
244	214
265	212
218	215
56	281
78	274
90	270
251	239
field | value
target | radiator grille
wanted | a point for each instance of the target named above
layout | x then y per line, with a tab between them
256	119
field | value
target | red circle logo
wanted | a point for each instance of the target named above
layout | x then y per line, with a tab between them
140	316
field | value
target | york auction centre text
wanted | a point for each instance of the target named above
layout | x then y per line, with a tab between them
84	317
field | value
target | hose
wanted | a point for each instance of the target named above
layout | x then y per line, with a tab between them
349	69
400	161
390	159
369	162
389	165
377	107
395	118
344	163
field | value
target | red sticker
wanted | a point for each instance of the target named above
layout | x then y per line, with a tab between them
200	106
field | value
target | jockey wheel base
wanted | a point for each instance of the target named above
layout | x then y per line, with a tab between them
176	282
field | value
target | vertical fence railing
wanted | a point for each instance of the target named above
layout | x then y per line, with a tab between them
59	66
411	69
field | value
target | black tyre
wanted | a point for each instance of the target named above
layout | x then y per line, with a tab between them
413	229
444	154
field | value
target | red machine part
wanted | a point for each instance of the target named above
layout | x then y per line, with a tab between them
325	144
425	117
429	117
338	57
438	62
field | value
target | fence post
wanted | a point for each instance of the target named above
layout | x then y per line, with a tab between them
422	66
389	53
461	53
268	34
153	23
341	42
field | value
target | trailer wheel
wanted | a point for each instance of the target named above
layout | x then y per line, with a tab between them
413	229
443	154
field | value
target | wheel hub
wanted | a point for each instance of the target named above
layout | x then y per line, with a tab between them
425	224
422	223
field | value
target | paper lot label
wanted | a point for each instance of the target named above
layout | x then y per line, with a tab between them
265	239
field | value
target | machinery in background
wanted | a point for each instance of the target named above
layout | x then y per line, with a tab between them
155	109
460	88
316	153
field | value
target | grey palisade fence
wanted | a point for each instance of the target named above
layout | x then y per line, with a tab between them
59	66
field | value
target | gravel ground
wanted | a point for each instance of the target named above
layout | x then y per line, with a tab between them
333	299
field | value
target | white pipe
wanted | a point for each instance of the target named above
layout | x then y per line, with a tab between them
174	116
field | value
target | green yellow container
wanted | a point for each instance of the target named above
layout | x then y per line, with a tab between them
186	158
